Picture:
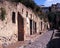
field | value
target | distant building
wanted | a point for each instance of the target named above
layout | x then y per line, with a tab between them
55	7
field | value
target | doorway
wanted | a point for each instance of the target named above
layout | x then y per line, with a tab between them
30	27
20	27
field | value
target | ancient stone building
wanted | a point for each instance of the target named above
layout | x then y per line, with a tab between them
18	23
55	7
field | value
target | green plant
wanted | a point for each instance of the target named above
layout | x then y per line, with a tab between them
3	13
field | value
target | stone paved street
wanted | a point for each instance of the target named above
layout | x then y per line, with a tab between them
40	42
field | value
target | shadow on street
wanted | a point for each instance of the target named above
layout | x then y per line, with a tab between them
57	34
54	43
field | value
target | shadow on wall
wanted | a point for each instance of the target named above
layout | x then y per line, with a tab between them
54	43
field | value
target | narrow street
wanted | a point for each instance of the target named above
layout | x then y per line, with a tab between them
40	42
49	39
29	23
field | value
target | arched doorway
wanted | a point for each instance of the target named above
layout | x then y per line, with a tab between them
20	27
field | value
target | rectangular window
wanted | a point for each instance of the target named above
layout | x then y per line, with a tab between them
13	17
26	14
22	11
41	26
31	15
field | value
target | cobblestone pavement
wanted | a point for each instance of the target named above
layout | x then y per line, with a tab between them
40	42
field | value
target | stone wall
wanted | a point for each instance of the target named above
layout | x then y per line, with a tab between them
9	30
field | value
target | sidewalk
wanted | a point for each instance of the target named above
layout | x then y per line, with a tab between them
40	42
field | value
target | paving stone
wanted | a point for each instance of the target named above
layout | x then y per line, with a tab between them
41	42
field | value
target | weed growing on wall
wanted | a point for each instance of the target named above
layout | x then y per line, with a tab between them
3	13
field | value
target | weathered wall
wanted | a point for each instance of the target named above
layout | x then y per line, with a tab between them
34	17
9	30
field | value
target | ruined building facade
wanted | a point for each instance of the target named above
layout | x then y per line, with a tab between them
18	23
